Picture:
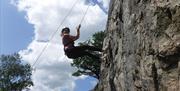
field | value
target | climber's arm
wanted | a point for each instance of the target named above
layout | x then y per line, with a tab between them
78	31
77	34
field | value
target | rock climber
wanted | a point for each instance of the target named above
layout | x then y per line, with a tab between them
72	51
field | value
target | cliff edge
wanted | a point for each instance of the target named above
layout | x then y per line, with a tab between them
142	46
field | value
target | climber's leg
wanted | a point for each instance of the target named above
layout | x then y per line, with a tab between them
86	47
79	52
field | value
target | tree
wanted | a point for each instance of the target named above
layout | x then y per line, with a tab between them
15	74
87	65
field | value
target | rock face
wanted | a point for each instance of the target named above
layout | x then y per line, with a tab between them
142	46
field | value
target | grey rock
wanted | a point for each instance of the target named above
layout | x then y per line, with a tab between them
142	46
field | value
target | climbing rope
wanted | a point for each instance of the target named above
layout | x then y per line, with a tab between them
52	36
84	14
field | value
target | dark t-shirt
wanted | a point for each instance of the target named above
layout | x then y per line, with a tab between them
68	41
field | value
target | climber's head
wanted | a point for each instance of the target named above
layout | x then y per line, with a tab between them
65	30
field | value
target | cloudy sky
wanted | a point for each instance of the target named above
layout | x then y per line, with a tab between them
27	26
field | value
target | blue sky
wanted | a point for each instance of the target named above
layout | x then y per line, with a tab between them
20	34
16	32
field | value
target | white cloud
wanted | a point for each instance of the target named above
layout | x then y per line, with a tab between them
53	70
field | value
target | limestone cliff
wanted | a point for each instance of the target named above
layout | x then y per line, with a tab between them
142	46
